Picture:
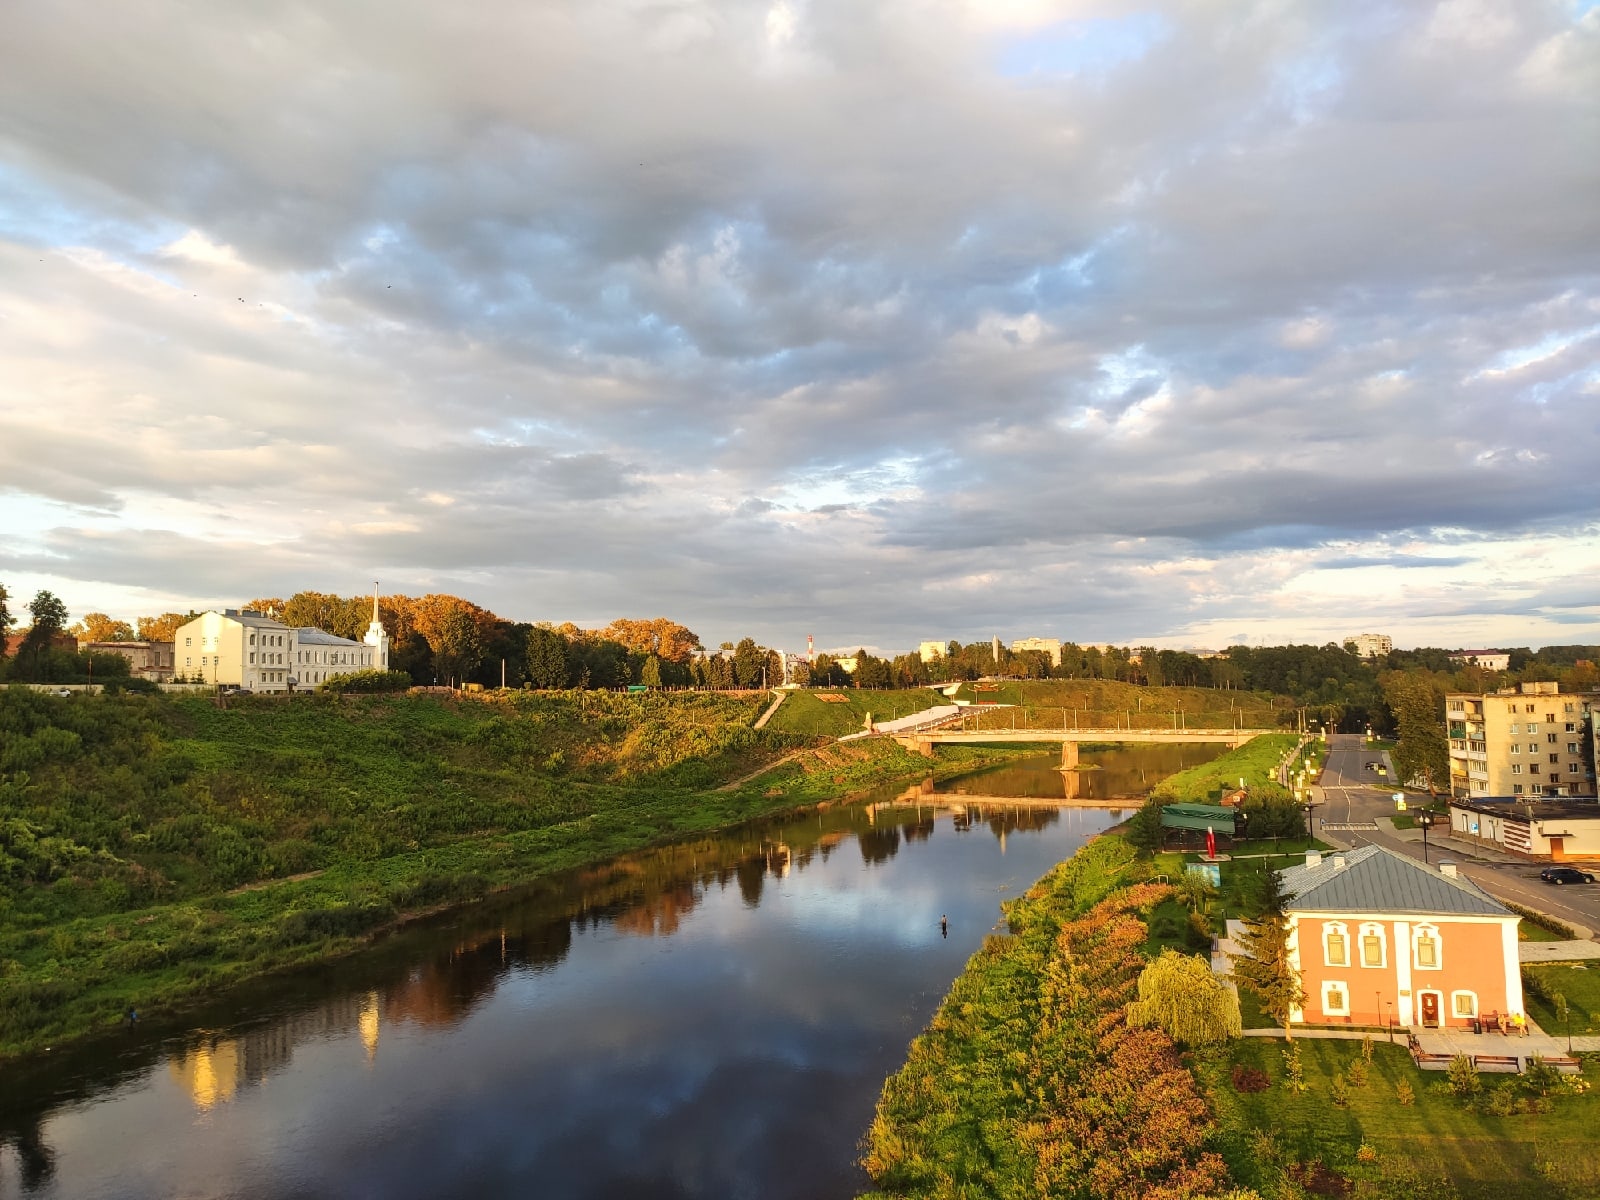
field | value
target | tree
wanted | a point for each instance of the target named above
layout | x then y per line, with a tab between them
98	627
547	658
49	620
1418	707
667	639
747	663
1180	994
459	646
5	621
650	673
344	617
1265	966
163	628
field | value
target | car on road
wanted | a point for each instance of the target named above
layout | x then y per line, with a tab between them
1565	875
62	692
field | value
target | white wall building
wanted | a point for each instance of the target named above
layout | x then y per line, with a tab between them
1489	660
242	648
1050	646
931	651
1371	645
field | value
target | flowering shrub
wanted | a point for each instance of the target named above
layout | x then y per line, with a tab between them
1250	1079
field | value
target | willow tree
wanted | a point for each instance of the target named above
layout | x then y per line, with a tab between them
1180	994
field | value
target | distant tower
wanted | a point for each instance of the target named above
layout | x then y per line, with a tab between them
811	650
377	636
997	649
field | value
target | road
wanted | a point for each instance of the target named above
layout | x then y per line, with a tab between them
1354	795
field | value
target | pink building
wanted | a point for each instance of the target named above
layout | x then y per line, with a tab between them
1377	937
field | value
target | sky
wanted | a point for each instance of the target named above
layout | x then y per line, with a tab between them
1183	324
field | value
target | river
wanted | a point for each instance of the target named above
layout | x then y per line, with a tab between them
711	1019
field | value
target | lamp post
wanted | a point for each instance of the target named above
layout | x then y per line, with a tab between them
1424	819
1391	1022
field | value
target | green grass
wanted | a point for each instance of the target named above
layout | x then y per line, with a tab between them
128	826
1527	931
1435	1147
1106	704
1578	982
803	713
1255	762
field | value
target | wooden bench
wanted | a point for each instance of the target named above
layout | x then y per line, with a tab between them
1563	1063
1497	1062
1427	1061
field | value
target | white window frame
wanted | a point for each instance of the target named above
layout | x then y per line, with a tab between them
1329	985
1370	928
1342	930
1438	947
1455	1000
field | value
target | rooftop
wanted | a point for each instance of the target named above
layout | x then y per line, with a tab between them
1375	879
1524	807
310	635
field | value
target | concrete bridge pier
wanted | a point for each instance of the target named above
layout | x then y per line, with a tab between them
1069	756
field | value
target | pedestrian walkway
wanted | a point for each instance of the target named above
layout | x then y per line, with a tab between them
1554	952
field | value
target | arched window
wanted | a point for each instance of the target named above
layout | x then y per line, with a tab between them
1336	944
1425	948
1374	953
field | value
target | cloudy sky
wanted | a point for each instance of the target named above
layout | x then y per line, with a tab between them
1187	322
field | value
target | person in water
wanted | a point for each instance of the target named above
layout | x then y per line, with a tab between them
944	926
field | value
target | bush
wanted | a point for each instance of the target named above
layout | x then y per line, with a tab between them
1464	1082
366	682
1339	1092
1180	994
1250	1079
1541	1078
315	924
1357	1074
1405	1093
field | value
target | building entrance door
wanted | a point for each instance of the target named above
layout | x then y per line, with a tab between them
1558	849
1430	1010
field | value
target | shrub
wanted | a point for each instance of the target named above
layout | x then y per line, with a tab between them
1180	994
1250	1079
348	920
1339	1091
1294	1075
1541	1078
1498	1102
1366	1153
1357	1074
366	682
1405	1093
1463	1079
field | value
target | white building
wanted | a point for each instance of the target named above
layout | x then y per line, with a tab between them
1489	660
1050	646
242	648
931	651
1371	645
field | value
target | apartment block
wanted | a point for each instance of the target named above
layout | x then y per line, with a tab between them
1535	740
1050	646
1371	645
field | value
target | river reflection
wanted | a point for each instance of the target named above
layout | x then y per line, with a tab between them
712	1019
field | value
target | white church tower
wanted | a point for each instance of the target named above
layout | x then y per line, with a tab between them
377	637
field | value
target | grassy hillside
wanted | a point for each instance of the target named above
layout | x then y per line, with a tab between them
1256	762
806	712
1106	704
153	848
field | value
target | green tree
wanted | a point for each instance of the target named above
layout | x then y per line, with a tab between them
49	620
1180	994
1265	966
747	663
460	646
650	673
1144	827
5	621
547	658
1418	706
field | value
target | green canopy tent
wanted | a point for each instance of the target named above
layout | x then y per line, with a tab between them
1200	817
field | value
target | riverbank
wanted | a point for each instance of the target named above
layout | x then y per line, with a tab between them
145	841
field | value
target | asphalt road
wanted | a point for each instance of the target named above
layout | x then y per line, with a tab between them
1352	794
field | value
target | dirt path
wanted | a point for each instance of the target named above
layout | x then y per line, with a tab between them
771	766
771	708
266	883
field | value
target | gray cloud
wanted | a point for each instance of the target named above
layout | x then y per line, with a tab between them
583	309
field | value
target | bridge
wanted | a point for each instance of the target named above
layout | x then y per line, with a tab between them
925	739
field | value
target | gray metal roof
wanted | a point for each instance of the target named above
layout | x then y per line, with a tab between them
1375	879
252	619
310	635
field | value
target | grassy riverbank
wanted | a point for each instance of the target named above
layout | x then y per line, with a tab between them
154	849
1255	762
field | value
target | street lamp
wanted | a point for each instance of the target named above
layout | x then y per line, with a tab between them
1424	819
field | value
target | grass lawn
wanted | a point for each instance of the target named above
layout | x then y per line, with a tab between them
1254	762
1434	1147
1578	982
805	713
1527	931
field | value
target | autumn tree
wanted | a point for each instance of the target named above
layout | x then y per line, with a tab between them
98	627
1180	994
1265	965
342	616
163	628
666	639
263	604
546	658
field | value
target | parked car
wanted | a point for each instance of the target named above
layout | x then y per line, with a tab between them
62	692
237	691
1565	875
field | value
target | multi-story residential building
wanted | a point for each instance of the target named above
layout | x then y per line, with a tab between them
931	651
1489	660
1535	740
1377	937
1371	645
1050	646
146	660
242	648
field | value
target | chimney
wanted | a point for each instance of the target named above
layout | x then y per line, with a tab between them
1338	862
1313	858
1448	870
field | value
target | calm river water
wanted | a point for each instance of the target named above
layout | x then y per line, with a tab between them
714	1019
